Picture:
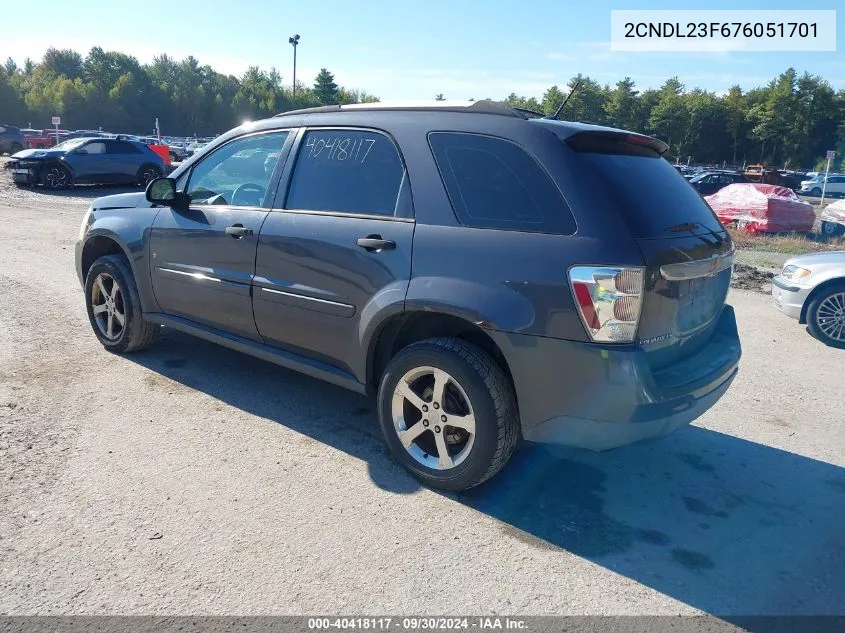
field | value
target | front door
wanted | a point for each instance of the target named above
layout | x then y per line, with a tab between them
339	248
203	259
89	162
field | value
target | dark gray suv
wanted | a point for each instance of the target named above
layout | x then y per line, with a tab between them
484	273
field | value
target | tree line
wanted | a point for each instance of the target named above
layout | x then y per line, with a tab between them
789	122
114	91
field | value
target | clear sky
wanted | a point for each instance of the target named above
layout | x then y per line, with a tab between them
406	49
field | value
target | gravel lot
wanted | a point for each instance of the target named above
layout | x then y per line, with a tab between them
191	479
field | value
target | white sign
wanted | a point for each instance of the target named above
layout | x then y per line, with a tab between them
56	120
831	154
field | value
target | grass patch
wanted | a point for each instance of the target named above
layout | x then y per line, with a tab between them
790	243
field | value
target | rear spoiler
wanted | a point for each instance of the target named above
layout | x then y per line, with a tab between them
616	142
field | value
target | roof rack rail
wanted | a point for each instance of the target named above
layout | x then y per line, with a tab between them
482	107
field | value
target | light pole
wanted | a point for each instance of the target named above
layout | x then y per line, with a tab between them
293	41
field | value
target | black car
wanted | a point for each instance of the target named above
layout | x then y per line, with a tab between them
709	182
484	276
11	139
86	161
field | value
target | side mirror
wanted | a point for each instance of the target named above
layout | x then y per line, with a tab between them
163	191
81	151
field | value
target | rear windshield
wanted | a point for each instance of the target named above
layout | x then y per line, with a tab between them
648	190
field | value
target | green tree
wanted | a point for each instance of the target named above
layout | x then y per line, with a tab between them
736	109
325	88
63	63
670	116
623	106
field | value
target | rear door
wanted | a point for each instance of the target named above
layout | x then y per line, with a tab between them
687	253
123	160
337	246
203	258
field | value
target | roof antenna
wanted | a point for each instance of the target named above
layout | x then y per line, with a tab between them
563	105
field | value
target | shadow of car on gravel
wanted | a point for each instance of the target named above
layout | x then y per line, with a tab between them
82	191
722	524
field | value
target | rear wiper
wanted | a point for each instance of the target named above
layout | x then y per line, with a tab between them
690	227
682	228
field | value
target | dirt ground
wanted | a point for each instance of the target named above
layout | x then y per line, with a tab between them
191	479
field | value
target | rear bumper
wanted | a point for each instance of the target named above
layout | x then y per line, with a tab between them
788	297
600	397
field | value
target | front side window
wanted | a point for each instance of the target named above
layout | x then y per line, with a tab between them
495	184
237	173
350	171
95	148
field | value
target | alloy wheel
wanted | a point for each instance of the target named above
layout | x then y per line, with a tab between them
148	175
56	177
433	418
108	307
830	316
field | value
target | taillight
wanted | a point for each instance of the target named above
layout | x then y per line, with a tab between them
609	300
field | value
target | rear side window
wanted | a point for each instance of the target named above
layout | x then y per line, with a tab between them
122	147
494	184
351	171
646	190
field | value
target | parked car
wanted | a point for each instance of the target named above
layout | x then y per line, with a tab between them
835	185
791	179
706	183
433	262
811	288
760	208
85	161
194	147
832	219
11	139
178	151
40	139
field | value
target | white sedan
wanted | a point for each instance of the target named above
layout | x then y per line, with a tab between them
811	288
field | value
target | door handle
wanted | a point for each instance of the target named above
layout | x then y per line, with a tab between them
238	231
375	243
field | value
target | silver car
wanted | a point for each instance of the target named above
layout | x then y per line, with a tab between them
811	288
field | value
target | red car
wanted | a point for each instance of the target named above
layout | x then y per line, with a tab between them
42	139
761	208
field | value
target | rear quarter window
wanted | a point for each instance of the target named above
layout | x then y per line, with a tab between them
646	191
494	183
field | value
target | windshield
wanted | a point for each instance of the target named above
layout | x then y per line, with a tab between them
70	144
698	177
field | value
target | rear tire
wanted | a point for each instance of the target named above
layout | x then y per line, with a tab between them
148	173
473	387
832	229
107	306
826	315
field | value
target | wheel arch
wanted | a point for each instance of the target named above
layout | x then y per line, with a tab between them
400	330
815	293
100	245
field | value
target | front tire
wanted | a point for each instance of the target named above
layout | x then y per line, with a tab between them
55	177
15	148
448	413
816	192
114	307
826	316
